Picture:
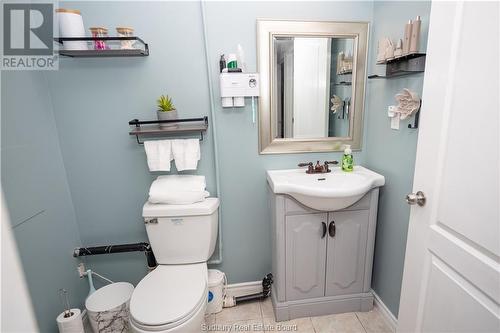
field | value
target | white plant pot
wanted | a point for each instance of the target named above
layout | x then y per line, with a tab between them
169	115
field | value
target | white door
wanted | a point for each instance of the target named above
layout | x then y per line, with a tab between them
451	280
311	87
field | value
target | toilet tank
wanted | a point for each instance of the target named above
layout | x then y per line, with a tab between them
182	234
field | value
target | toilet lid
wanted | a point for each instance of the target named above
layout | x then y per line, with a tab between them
168	294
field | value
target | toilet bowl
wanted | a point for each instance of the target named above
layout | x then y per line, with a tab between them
173	297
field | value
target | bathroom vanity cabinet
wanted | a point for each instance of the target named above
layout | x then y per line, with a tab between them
322	261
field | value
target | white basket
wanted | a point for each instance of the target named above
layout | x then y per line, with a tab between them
216	290
108	308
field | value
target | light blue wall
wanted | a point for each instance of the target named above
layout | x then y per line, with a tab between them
391	152
37	195
95	98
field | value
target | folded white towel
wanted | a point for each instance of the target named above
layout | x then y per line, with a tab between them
178	189
186	153
159	154
178	198
181	182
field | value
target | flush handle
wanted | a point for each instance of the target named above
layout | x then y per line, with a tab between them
150	221
416	198
324	230
332	229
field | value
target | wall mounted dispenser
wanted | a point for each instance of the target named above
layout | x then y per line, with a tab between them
239	84
234	87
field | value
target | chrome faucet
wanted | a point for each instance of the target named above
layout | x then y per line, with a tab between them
318	168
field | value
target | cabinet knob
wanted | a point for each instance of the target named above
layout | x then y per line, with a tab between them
332	229
324	230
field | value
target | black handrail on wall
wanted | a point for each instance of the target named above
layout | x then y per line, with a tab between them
120	248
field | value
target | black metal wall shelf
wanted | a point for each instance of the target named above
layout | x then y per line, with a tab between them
140	49
409	64
179	127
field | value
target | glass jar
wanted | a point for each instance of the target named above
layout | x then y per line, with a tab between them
99	32
126	32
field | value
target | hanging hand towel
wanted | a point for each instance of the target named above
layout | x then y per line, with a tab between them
159	154
186	153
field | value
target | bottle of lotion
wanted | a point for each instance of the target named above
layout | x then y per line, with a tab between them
407	37
415	35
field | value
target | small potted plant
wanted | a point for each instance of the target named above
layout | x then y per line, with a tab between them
166	110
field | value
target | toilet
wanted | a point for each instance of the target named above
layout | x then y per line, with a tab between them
173	297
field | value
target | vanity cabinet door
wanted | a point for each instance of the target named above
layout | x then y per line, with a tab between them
305	261
346	252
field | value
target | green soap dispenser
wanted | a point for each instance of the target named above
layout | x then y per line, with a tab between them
347	159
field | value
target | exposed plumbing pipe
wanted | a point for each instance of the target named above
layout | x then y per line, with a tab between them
214	132
120	248
267	281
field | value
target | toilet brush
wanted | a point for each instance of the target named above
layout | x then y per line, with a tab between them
89	273
91	282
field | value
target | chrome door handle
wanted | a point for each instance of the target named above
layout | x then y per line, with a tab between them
416	198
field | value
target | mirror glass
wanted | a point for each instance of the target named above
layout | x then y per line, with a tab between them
312	86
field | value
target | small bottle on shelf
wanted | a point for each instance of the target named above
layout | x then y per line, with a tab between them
99	32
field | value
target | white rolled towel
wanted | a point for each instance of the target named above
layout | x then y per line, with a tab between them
178	190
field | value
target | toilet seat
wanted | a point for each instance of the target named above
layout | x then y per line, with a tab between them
169	296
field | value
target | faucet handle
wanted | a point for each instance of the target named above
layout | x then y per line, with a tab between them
331	162
305	164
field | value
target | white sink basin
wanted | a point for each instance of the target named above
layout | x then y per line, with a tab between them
325	191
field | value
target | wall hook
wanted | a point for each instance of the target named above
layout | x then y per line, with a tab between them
417	116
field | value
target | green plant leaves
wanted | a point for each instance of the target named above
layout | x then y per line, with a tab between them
165	103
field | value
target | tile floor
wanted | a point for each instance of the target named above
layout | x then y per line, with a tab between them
258	316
